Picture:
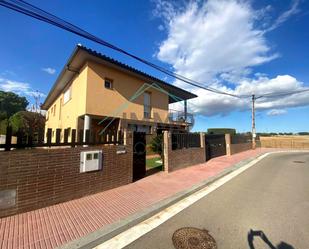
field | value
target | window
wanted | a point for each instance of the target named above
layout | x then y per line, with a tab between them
108	83
88	157
54	113
147	105
67	95
60	108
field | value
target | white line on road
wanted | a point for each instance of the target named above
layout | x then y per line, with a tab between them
125	238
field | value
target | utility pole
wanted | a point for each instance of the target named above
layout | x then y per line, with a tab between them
253	122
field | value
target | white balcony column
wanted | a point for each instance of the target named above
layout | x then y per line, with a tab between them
185	109
87	122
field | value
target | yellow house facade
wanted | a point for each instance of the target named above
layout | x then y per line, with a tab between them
98	93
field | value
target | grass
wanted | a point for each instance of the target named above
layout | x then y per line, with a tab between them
152	163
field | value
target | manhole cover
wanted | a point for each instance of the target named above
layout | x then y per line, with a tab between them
298	161
193	238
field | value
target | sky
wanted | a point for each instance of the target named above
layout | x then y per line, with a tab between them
236	46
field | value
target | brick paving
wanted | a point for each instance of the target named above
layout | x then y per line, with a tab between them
56	225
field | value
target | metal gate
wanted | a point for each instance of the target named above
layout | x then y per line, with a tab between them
139	155
215	146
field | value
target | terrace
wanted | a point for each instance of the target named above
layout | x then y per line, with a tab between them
180	116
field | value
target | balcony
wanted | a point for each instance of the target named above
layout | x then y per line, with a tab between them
180	117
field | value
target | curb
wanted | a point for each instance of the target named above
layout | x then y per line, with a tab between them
107	232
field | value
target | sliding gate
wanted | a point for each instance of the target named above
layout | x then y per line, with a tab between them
215	146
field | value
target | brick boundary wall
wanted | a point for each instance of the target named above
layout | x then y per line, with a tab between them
237	148
178	159
43	177
232	149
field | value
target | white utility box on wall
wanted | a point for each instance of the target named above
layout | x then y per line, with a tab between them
90	161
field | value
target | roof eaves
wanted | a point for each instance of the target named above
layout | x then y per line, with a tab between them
125	66
113	61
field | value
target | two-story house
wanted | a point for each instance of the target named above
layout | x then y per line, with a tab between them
96	92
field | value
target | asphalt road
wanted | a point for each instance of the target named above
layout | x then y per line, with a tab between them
272	197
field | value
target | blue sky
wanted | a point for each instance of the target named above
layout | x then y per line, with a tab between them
242	47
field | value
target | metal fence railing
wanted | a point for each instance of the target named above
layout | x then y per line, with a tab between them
241	139
179	116
185	140
58	137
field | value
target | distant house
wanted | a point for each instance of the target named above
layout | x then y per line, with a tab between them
96	92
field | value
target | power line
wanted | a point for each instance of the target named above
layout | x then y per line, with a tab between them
39	14
42	15
273	95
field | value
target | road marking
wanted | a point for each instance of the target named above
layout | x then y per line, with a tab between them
127	237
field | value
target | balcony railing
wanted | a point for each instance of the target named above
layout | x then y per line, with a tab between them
181	117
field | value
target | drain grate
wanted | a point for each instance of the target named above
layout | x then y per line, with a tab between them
193	238
298	161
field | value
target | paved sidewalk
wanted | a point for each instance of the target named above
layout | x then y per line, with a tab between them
56	225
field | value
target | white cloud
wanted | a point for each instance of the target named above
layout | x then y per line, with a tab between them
219	43
49	70
161	27
164	9
8	73
209	103
14	86
285	15
21	88
217	37
276	112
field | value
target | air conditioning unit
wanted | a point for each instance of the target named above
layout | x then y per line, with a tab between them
90	161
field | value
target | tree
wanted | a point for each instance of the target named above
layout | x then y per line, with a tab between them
156	144
303	133
11	103
3	125
25	121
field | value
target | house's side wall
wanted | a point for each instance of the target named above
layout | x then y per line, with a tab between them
66	114
36	178
116	102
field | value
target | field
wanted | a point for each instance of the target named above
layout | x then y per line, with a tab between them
288	142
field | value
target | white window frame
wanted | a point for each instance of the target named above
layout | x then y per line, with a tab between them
147	106
67	95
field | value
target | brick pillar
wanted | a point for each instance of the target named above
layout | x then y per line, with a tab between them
87	125
203	143
128	144
128	137
125	134
228	144
202	135
167	148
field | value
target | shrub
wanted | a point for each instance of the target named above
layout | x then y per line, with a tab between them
156	144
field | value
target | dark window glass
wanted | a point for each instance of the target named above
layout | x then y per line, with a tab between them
95	155
108	84
89	157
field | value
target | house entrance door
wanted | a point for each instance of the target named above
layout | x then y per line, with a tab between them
139	155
